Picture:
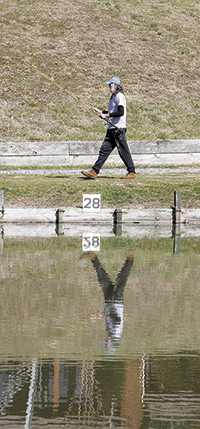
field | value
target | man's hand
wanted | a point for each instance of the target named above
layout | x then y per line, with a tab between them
100	113
97	111
104	115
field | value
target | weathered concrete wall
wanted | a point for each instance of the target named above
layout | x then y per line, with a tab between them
105	230
77	153
105	216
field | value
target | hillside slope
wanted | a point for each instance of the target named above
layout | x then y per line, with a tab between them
154	47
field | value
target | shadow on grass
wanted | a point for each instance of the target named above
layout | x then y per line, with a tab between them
58	177
100	177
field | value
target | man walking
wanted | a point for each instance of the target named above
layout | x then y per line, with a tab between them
116	132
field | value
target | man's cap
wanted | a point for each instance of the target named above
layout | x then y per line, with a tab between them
114	80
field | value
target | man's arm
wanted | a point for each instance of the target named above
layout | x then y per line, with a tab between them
104	113
119	112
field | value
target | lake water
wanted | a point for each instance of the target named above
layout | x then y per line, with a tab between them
100	339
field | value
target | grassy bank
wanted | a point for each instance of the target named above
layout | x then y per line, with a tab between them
56	190
152	46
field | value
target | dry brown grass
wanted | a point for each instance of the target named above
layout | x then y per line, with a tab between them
152	46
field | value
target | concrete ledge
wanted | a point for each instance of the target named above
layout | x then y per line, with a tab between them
77	152
15	230
141	147
105	216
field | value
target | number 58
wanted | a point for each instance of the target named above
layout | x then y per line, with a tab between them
91	242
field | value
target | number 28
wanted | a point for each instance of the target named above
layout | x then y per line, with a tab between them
91	202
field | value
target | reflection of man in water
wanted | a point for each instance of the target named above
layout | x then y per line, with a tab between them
113	295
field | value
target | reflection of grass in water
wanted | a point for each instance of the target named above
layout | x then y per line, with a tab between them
48	294
63	244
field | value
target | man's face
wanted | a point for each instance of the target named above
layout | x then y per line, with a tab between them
112	87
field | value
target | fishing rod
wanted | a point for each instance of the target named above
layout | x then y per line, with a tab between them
109	122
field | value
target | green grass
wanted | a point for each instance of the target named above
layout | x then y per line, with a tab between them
55	190
155	53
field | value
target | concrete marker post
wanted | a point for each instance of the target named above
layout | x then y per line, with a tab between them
59	220
1	204
117	216
1	239
177	204
176	220
117	222
59	215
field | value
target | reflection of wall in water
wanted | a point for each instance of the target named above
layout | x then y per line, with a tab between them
140	391
14	386
63	388
172	390
131	405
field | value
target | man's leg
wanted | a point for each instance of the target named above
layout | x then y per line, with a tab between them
122	277
105	150
124	152
103	279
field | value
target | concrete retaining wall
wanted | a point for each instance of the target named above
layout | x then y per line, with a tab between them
76	215
77	153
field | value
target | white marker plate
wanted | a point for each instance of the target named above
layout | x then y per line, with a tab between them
91	203
91	242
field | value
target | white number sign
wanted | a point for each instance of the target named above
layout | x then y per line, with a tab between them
91	242
91	202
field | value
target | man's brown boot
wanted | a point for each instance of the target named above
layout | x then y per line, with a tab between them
89	255
130	255
130	176
91	174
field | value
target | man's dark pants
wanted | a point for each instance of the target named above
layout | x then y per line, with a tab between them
115	138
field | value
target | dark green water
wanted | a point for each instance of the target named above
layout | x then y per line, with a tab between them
105	339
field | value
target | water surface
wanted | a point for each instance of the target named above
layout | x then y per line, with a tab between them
99	339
